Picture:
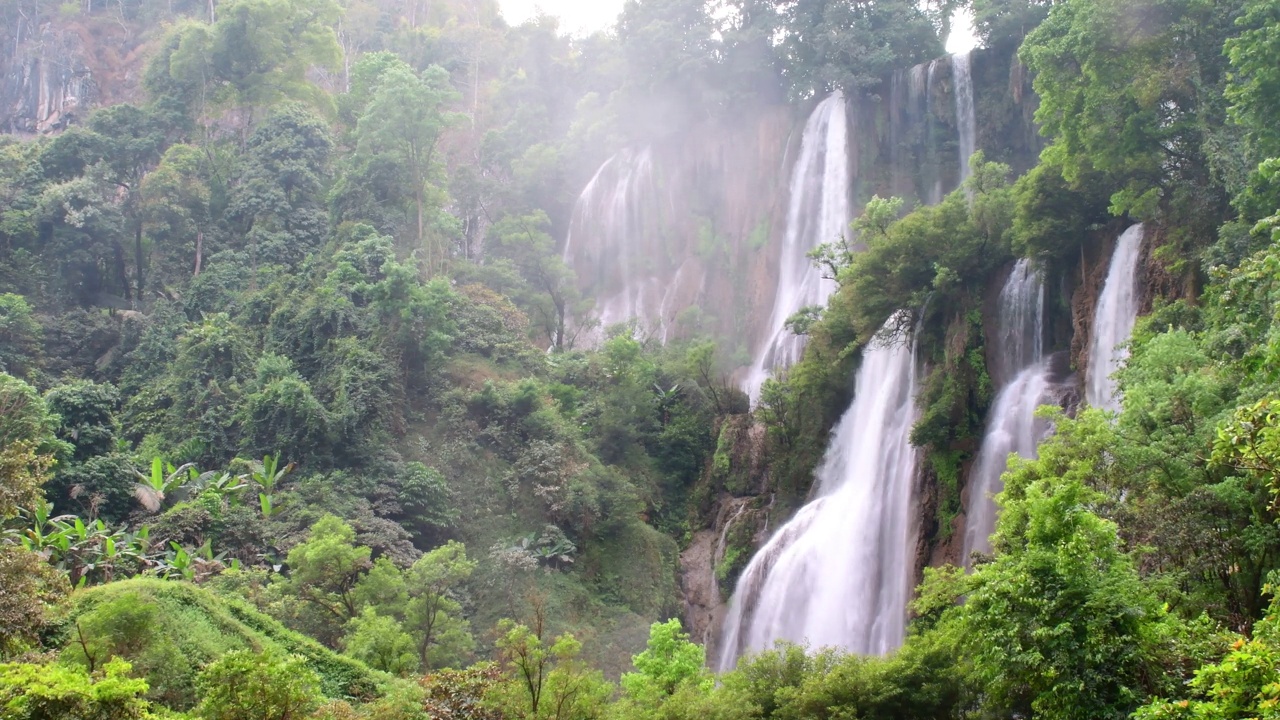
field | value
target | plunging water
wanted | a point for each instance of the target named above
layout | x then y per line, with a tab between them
608	232
966	120
818	212
840	573
1113	321
1019	328
1024	376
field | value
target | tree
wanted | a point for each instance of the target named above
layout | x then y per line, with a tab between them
40	692
1254	88
325	569
277	201
1006	22
547	290
380	642
257	53
671	661
546	683
1059	623
20	338
95	475
245	685
1119	98
29	589
829	45
460	694
1244	684
176	204
130	143
433	614
280	411
403	121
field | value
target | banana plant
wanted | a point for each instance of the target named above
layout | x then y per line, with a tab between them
224	485
161	483
267	476
85	550
176	563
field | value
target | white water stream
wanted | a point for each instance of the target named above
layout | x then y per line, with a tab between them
818	212
1025	376
966	118
840	572
1113	321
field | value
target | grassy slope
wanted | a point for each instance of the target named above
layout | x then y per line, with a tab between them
194	626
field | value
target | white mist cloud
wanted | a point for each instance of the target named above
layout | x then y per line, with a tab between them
962	37
579	17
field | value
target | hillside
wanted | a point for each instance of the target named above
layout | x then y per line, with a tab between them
381	359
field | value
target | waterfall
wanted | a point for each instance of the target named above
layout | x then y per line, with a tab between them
1113	320
1024	375
818	212
840	572
966	120
935	190
1019	328
609	240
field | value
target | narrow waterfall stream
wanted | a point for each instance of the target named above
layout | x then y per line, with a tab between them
1113	320
840	572
607	233
818	213
966	118
1024	375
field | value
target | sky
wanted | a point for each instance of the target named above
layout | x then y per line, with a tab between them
576	16
581	17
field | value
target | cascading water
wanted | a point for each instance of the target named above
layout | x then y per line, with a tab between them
1019	331
610	213
840	573
1012	426
818	213
935	189
1113	320
966	118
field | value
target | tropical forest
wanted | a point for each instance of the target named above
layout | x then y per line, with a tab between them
729	360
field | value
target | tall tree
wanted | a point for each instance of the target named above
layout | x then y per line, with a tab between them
403	122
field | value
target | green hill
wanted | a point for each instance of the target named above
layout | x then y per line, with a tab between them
170	630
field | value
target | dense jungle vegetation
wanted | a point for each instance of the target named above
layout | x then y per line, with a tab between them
294	422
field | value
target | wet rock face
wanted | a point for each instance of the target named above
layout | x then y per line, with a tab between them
56	67
735	506
47	83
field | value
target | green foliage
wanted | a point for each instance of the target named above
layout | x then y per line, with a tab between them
257	686
33	692
832	45
1244	684
256	54
1003	22
433	614
1118	100
460	694
20	338
325	569
95	476
31	589
669	663
402	123
379	642
170	630
1060	623
546	681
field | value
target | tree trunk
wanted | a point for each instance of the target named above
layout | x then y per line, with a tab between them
137	256
199	251
122	273
421	224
